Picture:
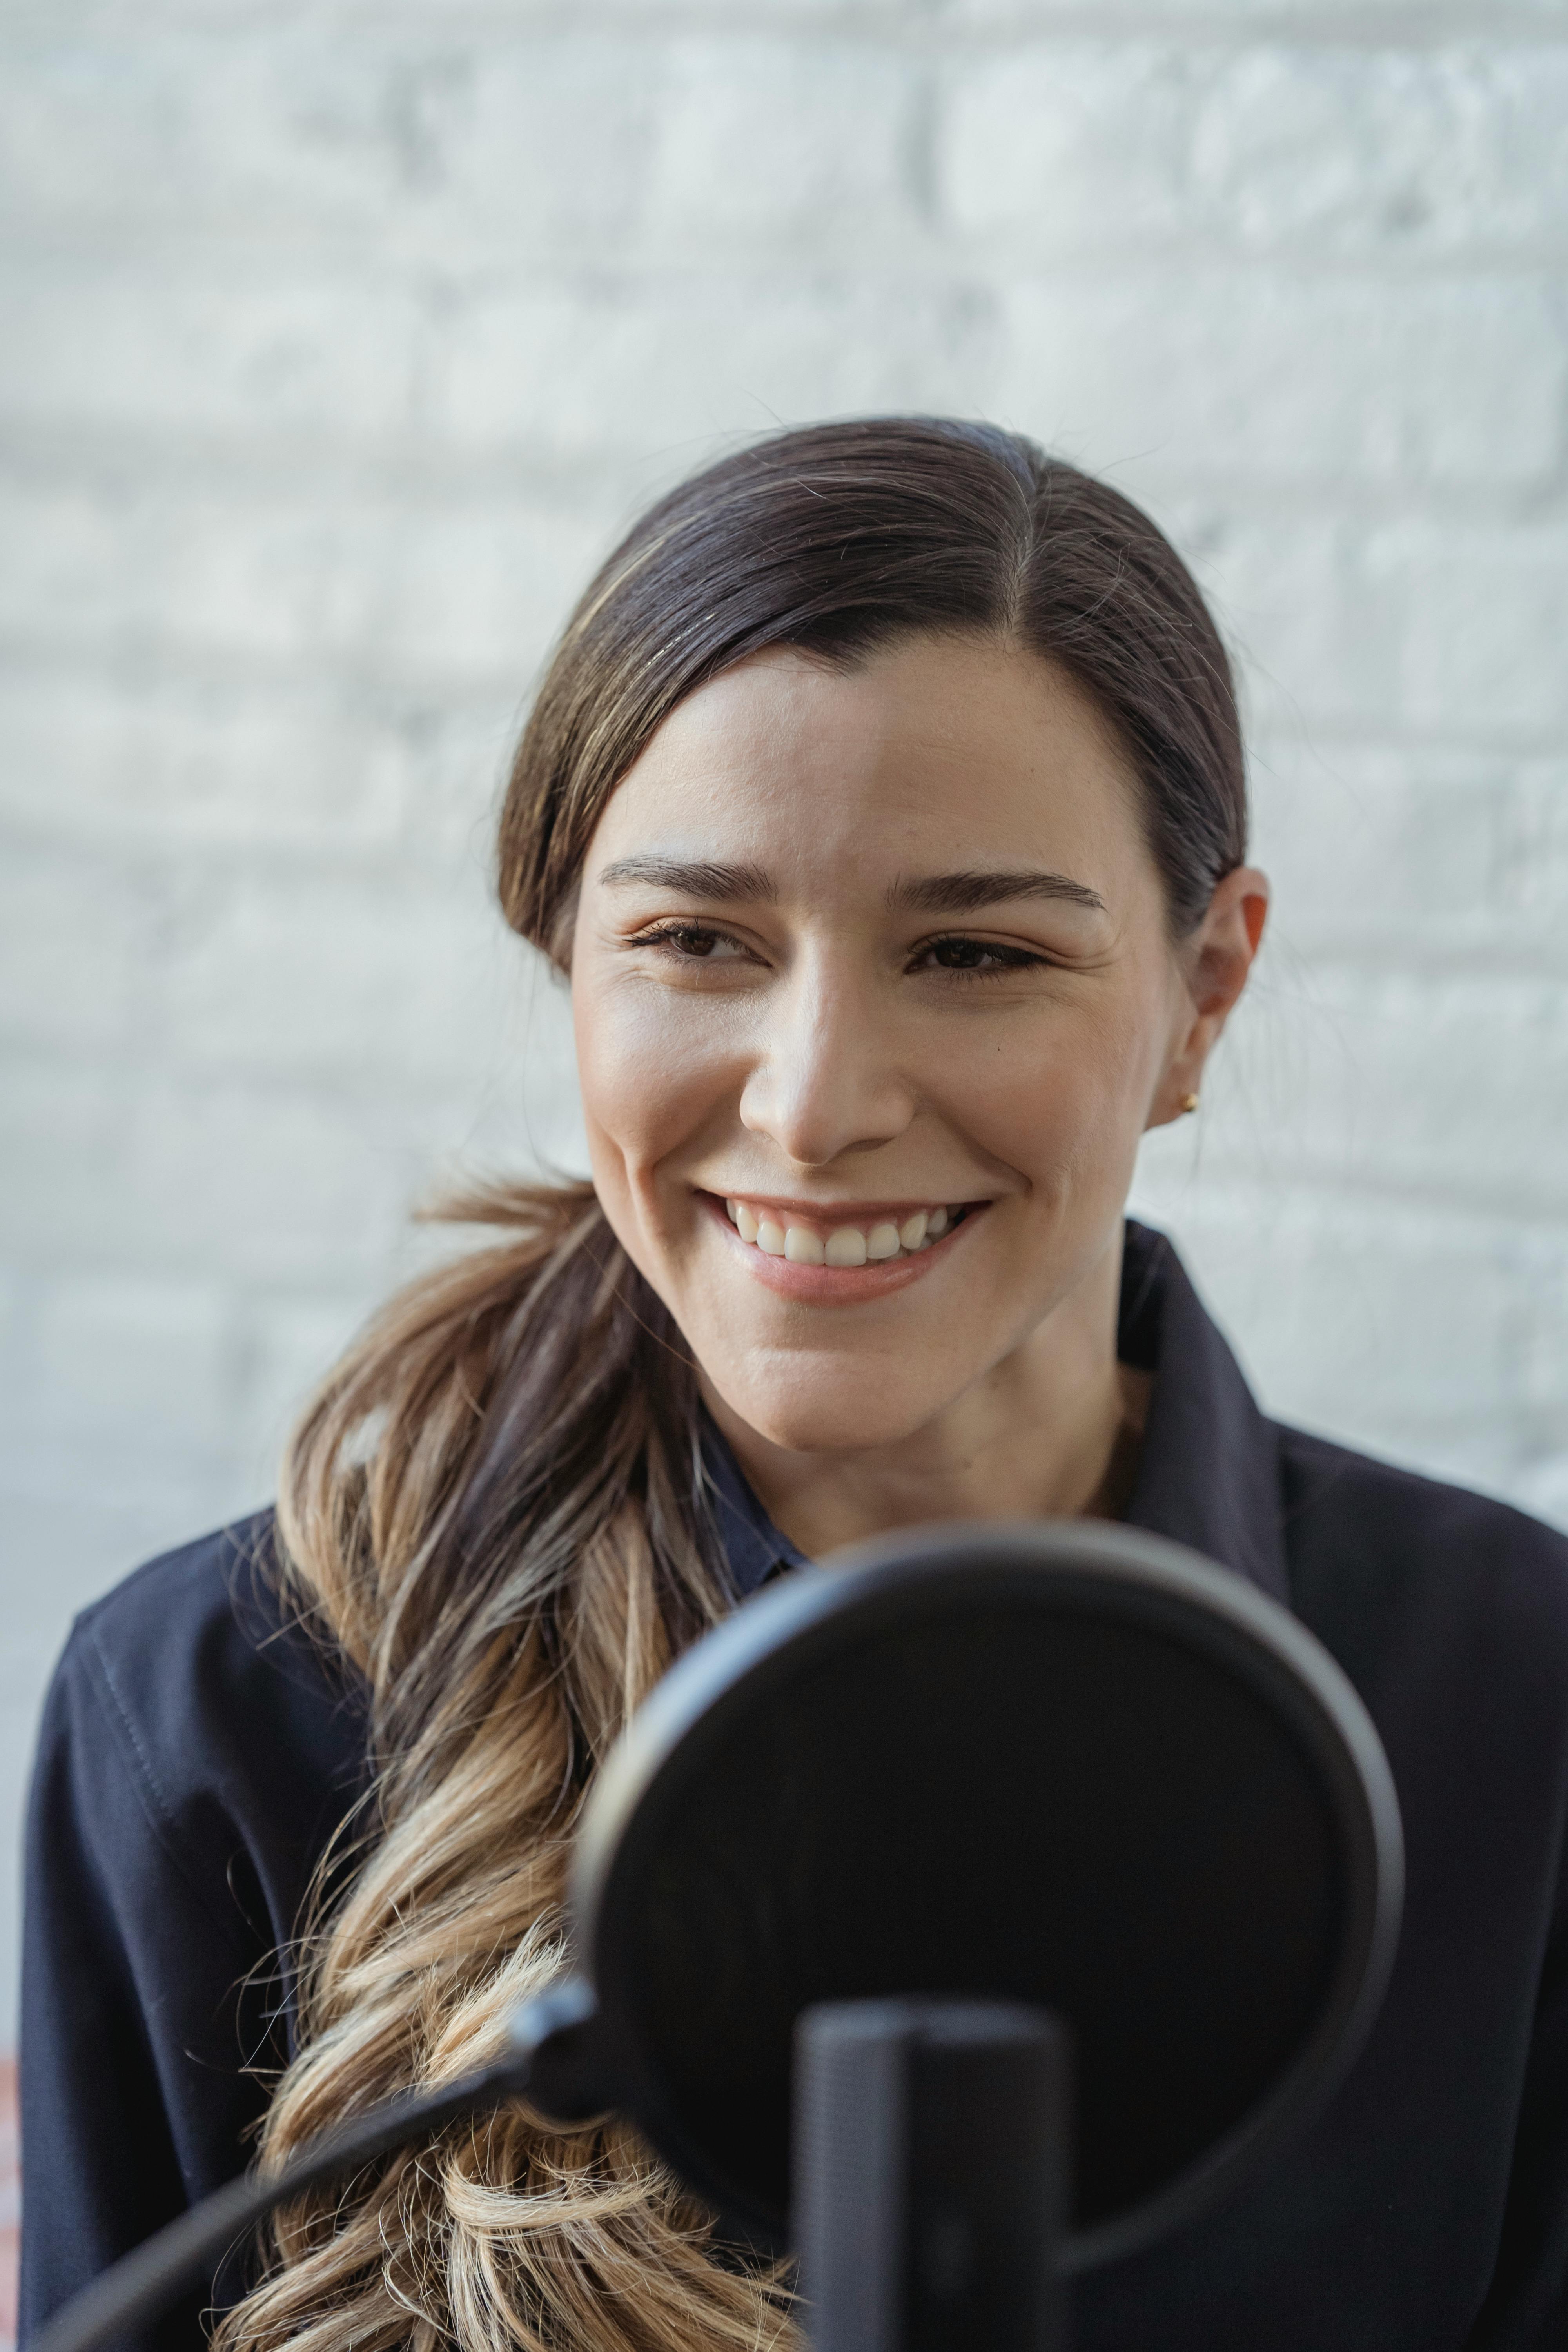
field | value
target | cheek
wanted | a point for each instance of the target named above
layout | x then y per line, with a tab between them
1063	1098
651	1068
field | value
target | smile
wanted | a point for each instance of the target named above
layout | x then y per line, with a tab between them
880	1240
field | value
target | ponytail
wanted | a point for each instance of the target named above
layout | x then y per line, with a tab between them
495	1509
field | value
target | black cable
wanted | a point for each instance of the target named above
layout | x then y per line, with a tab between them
141	2286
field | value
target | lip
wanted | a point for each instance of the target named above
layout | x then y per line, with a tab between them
831	1286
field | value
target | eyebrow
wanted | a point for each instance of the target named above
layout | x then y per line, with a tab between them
963	894
694	878
930	894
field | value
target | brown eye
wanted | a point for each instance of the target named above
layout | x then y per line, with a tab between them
976	955
692	942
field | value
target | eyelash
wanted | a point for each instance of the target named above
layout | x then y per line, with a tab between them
1006	959
666	935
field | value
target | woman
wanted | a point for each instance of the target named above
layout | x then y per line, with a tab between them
884	802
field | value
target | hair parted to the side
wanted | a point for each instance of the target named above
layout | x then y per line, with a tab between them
495	1508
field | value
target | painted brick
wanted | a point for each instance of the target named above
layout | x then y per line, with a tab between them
293	1184
1069	144
1265	1255
167	119
348	128
807	14
540	144
288	1342
576	371
132	1350
1415	853
113	1166
1262	19
1531	872
1244	375
1287	587
62	1150
203	345
185	760
76	939
476	591
1427	1083
512	138
1077	144
318	975
1396	152
1482	620
806	143
1543	1381
1436	626
531	1115
466	590
460	752
1432	1349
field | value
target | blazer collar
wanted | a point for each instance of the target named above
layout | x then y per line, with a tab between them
1208	1474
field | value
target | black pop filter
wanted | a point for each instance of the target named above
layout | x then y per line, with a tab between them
1072	1766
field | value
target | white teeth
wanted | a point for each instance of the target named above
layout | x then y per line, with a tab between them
846	1245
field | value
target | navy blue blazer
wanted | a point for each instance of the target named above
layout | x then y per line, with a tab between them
196	1754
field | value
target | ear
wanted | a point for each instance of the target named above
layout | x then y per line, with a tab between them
1215	964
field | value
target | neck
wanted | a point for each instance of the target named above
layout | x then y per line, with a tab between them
1050	1432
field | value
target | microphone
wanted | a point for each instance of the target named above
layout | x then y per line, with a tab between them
931	2145
1160	1829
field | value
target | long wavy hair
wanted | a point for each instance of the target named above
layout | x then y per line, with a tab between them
495	1510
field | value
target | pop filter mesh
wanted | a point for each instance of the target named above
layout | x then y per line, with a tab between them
1005	1797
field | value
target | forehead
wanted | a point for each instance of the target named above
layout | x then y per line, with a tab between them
934	747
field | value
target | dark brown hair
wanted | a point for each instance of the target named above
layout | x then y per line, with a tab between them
836	538
495	1507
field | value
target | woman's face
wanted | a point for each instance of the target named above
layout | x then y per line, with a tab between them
873	999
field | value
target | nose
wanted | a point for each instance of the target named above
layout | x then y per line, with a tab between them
824	1081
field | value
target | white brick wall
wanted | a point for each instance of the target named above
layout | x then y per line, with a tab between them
338	339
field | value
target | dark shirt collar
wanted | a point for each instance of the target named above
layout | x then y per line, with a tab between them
753	1546
1207	1469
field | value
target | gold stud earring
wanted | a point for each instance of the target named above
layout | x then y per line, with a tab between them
1189	1103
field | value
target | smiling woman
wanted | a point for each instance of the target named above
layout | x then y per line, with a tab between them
884	802
805	1090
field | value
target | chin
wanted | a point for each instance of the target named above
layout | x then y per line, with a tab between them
869	1408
